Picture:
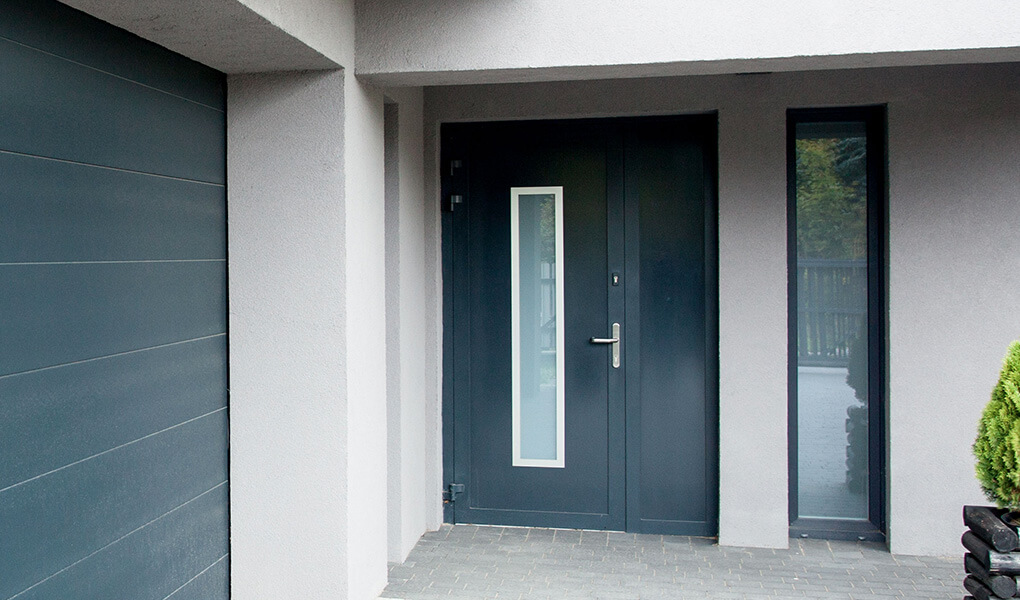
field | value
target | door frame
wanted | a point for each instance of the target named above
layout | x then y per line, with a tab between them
454	182
874	527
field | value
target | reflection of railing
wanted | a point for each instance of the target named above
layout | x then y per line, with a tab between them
547	305
831	309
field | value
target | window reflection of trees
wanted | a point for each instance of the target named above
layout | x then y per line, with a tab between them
832	276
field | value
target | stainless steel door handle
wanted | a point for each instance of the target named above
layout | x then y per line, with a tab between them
615	341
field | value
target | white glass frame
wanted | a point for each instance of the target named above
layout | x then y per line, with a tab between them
515	336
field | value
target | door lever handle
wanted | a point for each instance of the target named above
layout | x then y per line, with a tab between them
615	341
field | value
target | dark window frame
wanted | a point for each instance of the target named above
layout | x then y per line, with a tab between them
874	119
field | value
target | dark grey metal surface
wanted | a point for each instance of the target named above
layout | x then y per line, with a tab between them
581	494
103	120
672	409
105	403
641	454
113	366
61	313
64	32
58	212
152	562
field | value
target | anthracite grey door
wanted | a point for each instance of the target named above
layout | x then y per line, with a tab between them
580	323
113	368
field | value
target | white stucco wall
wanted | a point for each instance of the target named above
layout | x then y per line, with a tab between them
954	270
364	276
289	477
953	138
240	36
307	360
466	41
420	485
326	26
413	487
752	320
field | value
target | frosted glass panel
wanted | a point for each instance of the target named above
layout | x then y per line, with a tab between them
536	240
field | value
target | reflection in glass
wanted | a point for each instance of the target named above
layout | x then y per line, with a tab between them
536	240
832	320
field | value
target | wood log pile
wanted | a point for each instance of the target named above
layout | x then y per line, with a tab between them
992	561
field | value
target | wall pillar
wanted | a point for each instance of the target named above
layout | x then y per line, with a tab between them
364	279
411	491
753	493
288	357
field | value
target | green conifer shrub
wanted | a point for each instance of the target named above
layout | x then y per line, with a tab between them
997	447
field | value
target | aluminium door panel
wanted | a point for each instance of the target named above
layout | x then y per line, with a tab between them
639	429
671	408
113	349
578	491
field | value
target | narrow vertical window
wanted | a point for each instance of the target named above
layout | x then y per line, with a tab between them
536	267
835	322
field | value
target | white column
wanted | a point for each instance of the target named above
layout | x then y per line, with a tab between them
289	494
411	493
364	281
753	506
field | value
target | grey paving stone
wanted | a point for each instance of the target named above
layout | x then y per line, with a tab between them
481	563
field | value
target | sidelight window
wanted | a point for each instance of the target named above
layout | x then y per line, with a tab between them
836	322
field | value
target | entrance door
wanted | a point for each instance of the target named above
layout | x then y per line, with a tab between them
580	324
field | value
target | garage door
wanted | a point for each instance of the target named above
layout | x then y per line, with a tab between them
113	435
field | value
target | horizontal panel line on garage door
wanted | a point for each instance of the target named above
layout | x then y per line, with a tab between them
106	356
202	572
109	168
120	539
60	314
113	262
121	77
114	449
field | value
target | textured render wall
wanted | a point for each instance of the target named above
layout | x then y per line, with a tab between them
326	26
472	41
394	485
953	267
240	36
415	485
364	277
955	285
752	319
288	357
421	423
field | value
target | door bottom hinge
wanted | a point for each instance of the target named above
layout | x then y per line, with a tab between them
452	491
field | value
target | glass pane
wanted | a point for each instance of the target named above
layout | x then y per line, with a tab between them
536	240
832	321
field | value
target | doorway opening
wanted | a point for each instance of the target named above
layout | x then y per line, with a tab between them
580	323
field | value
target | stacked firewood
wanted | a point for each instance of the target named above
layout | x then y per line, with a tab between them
992	560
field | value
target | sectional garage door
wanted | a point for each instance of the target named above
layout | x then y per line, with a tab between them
113	430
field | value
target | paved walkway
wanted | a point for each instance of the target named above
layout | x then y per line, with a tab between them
465	561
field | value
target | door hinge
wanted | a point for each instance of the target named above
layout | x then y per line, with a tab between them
452	201
452	491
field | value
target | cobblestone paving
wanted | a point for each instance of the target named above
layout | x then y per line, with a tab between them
466	561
